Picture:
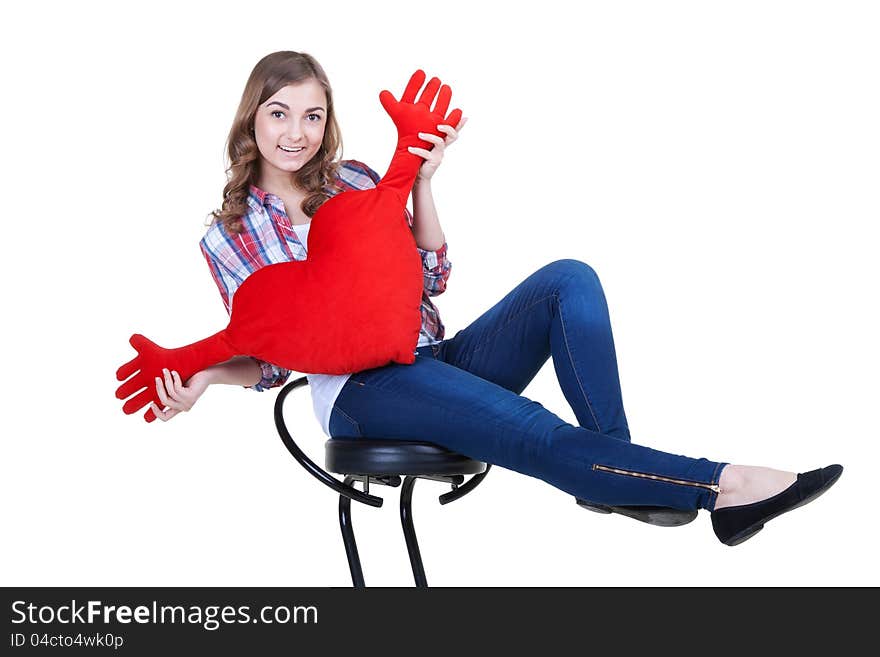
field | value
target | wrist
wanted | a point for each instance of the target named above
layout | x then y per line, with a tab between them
207	376
239	370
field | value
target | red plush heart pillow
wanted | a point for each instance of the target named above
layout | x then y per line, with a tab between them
302	315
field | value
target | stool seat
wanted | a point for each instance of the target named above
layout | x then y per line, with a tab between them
376	457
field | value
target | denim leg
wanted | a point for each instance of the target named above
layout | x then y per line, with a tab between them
437	402
560	310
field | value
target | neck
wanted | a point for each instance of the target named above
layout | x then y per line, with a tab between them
279	183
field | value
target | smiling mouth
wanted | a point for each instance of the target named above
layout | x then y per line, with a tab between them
296	149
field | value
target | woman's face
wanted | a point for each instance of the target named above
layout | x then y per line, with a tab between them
289	126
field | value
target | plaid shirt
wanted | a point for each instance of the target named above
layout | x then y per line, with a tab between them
268	238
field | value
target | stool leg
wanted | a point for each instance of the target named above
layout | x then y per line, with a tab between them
351	551
409	531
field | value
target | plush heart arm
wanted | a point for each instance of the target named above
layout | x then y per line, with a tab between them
151	358
411	117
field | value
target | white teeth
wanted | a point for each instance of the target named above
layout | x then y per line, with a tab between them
291	150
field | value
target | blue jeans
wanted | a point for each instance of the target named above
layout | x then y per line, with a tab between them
463	394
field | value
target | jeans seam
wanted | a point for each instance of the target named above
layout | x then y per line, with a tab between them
507	323
574	369
356	424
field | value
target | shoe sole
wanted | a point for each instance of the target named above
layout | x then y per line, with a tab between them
593	507
750	531
658	518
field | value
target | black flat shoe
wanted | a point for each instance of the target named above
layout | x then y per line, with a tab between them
661	516
735	524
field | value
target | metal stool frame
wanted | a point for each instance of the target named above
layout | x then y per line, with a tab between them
347	492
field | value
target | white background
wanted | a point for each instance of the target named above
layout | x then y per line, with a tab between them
716	163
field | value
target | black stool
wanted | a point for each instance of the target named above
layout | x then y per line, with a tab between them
382	461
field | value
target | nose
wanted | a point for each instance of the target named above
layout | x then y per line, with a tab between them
295	131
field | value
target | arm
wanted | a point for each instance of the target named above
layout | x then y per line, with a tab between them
179	397
426	224
428	234
237	371
430	240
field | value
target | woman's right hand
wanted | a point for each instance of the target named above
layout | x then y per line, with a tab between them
177	397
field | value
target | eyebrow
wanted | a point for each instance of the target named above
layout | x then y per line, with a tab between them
310	109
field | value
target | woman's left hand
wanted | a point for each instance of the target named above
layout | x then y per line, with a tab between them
434	157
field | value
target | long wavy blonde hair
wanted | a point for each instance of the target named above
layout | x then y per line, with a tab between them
272	73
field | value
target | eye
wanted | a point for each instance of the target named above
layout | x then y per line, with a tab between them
278	112
317	116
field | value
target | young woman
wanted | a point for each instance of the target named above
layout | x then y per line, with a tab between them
461	392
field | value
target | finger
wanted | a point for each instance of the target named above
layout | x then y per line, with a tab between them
453	118
163	414
171	386
149	416
130	387
137	402
434	139
139	342
388	101
430	92
128	369
456	129
167	396
451	134
421	152
180	392
443	99
167	393
156	411
161	394
412	87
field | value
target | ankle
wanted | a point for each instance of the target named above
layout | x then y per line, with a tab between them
731	482
745	484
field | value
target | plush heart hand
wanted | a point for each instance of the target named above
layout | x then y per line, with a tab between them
353	304
413	116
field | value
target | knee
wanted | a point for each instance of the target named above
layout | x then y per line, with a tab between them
573	271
